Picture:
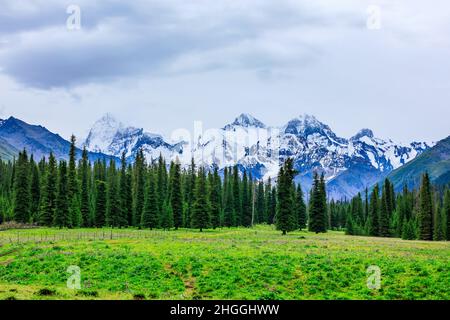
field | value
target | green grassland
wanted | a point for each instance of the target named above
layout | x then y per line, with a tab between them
256	263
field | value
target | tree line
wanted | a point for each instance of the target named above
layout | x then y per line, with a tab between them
422	214
150	193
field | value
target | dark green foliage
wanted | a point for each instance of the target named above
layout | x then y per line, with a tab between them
100	203
425	210
301	208
237	201
113	216
318	206
201	208
22	195
246	198
62	216
48	202
84	190
138	187
176	196
446	213
215	198
286	215
35	190
374	212
150	215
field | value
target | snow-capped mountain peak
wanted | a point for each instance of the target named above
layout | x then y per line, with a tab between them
245	120
363	133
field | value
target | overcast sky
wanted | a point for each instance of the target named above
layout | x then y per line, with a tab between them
162	64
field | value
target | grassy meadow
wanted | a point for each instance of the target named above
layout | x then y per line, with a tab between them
257	263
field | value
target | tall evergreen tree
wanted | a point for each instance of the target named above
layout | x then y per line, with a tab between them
446	213
318	207
22	195
48	202
150	215
286	217
373	218
85	191
113	213
139	187
237	206
62	216
215	199
176	195
100	203
35	189
301	208
201	207
260	204
425	210
246	201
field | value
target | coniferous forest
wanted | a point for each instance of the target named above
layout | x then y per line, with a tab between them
154	194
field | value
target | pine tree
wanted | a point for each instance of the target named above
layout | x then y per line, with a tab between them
215	198
72	185
228	210
62	216
260	204
167	216
246	213
373	218
85	191
176	196
286	215
438	225
22	195
386	206
150	214
162	185
318	207
446	213
201	208
425	210
113	212
35	189
301	208
237	205
100	203
48	202
139	187
189	193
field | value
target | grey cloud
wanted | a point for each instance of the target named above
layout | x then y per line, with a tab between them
153	38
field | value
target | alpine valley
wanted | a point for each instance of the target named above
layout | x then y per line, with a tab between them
349	165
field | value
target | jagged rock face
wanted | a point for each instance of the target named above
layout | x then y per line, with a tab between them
349	165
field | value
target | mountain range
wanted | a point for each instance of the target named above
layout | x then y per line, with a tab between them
349	165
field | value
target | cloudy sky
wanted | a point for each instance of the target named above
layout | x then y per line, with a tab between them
162	64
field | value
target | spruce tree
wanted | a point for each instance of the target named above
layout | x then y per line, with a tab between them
286	215
150	215
176	196
139	187
383	221
228	210
373	218
246	213
425	214
100	203
201	208
62	216
215	199
260	204
22	195
301	208
438	225
446	213
237	205
318	207
85	191
72	184
48	202
113	212
35	190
